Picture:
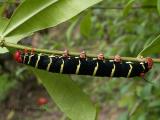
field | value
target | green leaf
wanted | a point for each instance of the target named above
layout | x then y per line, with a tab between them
5	85
70	30
13	39
16	38
86	25
158	6
152	48
3	50
123	116
146	92
26	11
127	7
154	103
2	7
67	95
3	23
33	16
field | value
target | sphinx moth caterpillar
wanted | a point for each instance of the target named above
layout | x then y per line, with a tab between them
81	65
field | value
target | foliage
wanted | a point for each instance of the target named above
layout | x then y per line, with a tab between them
128	7
158	6
127	32
62	90
24	22
5	86
152	47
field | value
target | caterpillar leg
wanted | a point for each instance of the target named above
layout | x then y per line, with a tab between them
117	58
142	75
65	53
33	51
82	55
100	56
25	51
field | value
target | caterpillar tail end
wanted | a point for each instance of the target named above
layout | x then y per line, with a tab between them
17	56
149	61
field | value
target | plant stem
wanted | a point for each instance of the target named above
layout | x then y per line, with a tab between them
56	52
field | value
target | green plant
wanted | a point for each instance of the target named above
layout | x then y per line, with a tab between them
56	12
63	90
5	85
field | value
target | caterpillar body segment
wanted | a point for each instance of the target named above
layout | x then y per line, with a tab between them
81	65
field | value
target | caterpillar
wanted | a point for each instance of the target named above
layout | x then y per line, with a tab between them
81	65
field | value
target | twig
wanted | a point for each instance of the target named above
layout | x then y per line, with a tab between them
57	52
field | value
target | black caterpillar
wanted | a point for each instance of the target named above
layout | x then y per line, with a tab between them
84	66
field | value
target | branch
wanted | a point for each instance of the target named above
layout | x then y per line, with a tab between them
56	52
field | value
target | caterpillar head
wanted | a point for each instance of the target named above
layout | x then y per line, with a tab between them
17	56
149	62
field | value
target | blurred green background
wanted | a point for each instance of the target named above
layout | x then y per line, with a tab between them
110	27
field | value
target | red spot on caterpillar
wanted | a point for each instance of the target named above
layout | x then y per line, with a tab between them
42	101
150	62
17	56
